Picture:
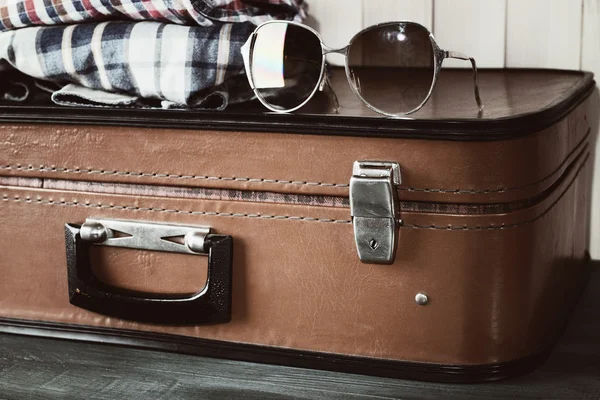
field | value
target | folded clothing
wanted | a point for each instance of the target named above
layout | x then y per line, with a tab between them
232	91
178	65
23	13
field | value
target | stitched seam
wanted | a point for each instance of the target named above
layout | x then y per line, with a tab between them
39	200
504	226
277	181
581	144
29	200
468	228
161	175
264	180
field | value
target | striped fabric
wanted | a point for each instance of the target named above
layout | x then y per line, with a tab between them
173	63
24	13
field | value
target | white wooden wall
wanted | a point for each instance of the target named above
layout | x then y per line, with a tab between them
497	33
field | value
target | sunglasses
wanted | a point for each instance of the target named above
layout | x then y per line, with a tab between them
285	65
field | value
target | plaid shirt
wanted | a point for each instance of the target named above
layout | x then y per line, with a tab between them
149	59
23	13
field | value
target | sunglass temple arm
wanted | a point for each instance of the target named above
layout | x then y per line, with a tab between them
461	56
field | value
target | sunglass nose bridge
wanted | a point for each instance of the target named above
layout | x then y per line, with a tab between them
329	50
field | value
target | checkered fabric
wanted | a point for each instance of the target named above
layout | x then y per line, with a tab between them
179	64
23	13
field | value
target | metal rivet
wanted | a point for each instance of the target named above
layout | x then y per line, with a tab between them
373	244
93	232
195	241
421	299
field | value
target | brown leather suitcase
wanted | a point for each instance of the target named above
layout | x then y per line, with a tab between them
448	247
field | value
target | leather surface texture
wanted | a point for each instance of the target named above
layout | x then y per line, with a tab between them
492	280
500	285
432	171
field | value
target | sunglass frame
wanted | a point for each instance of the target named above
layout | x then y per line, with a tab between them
439	55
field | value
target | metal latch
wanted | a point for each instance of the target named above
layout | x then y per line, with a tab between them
375	209
145	235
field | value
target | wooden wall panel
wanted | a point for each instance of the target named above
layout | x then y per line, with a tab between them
590	56
420	11
337	21
543	33
590	61
473	27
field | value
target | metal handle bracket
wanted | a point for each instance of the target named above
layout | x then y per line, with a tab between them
145	235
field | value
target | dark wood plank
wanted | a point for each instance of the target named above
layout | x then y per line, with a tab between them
38	368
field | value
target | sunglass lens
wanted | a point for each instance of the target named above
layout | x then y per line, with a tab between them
286	64
392	66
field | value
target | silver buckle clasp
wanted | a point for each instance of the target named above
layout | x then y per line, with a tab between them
375	209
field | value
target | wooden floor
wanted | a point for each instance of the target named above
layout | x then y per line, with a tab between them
36	368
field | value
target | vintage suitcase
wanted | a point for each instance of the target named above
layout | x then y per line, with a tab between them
450	247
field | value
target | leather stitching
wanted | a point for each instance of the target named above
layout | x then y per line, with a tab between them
39	200
450	227
283	182
500	190
278	181
466	227
163	175
29	200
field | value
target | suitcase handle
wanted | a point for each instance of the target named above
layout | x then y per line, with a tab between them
211	305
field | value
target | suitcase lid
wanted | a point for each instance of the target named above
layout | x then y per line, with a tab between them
517	102
544	113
